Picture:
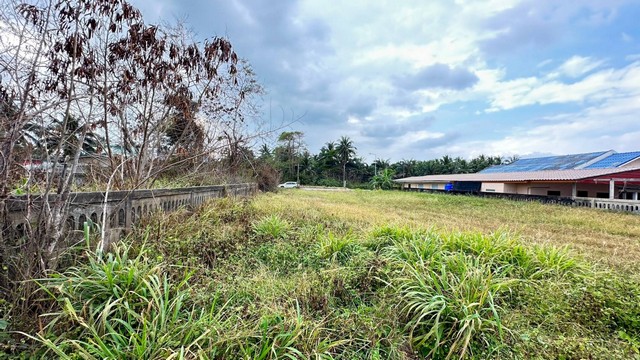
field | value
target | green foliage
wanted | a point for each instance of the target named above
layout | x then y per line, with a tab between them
454	308
122	306
383	180
271	227
331	246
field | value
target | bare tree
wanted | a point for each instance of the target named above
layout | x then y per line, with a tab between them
95	67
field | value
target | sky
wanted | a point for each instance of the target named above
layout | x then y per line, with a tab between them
417	79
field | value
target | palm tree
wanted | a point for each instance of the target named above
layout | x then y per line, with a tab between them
328	158
346	151
65	136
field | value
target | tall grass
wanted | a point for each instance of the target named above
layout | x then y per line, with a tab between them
270	280
453	308
120	306
336	247
271	227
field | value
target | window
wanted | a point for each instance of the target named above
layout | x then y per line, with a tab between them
553	193
602	195
583	193
434	186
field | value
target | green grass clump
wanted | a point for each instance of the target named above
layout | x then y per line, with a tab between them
335	247
271	227
122	307
453	308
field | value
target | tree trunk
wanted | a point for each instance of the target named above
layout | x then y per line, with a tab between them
344	175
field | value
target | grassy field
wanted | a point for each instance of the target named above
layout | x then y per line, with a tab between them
355	275
607	237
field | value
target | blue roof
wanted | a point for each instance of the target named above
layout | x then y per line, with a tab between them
615	160
562	162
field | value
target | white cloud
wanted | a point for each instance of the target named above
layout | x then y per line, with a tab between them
609	125
577	66
511	94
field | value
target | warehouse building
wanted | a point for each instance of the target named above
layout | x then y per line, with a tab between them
605	174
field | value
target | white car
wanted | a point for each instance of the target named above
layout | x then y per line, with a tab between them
289	185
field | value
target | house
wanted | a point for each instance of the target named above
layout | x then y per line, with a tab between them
605	174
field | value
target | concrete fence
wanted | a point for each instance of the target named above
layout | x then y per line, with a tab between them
632	206
123	208
609	204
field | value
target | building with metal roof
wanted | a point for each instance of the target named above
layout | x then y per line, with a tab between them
605	174
617	160
562	162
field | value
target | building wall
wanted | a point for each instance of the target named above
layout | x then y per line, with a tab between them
428	186
565	189
634	163
497	187
542	188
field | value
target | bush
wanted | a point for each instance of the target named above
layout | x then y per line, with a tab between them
267	177
330	183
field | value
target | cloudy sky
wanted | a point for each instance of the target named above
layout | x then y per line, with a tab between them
421	79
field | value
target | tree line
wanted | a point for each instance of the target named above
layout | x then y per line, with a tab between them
339	164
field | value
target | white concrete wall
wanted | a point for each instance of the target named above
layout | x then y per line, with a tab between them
494	187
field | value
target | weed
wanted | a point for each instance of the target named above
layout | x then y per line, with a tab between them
335	247
118	306
271	227
454	308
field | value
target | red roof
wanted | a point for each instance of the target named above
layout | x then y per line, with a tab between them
548	175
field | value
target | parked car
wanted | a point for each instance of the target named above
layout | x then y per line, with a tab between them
289	185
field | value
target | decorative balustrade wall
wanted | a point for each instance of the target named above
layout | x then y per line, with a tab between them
123	208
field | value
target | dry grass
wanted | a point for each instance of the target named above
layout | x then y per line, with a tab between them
601	236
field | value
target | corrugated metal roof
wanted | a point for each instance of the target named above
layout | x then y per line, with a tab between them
615	160
547	175
562	162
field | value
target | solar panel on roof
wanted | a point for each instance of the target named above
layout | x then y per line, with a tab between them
615	160
562	162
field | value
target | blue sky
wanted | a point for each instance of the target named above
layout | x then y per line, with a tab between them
419	79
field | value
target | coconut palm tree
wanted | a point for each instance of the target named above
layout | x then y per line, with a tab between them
346	151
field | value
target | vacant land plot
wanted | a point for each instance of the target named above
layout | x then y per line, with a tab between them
608	237
355	275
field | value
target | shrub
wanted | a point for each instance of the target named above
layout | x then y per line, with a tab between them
330	183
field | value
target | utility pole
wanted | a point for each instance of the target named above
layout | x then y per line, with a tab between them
375	163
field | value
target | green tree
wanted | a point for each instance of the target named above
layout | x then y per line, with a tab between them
384	179
327	159
345	151
288	153
265	152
